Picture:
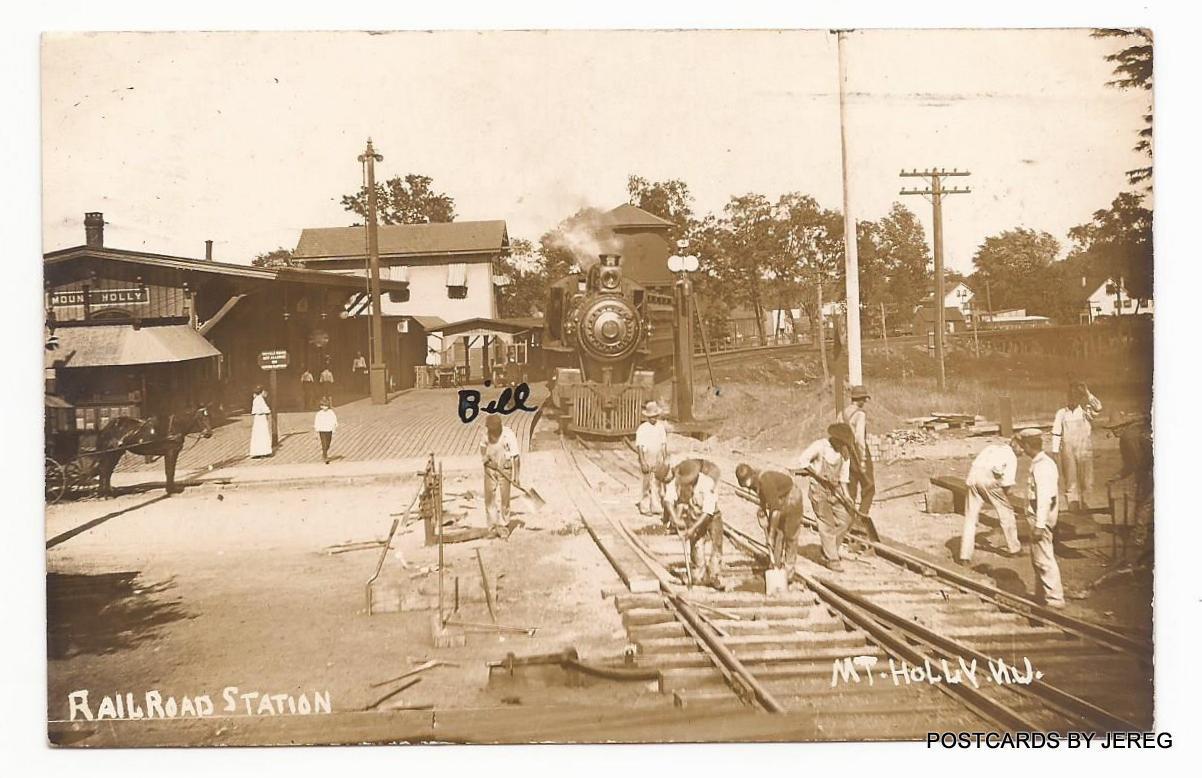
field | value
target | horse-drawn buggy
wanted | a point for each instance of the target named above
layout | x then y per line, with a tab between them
82	459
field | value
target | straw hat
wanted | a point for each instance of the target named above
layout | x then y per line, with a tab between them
651	410
858	392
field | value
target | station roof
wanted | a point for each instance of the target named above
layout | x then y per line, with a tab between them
124	344
401	240
250	272
627	215
485	326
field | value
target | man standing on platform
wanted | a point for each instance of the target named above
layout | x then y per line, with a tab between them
780	501
990	478
1042	513
502	467
359	371
651	445
308	388
326	380
863	477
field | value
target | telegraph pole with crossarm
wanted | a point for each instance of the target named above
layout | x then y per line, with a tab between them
935	191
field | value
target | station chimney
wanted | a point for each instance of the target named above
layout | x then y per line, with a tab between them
93	227
208	251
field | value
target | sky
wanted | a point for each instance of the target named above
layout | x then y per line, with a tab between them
247	138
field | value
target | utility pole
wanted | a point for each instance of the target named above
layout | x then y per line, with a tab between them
855	371
376	370
936	192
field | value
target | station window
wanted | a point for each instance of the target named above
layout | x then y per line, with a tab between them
458	292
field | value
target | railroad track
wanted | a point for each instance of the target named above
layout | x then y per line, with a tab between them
900	628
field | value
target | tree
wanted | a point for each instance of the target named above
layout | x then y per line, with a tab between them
281	257
751	244
1018	265
408	200
905	260
1133	70
669	200
526	291
1117	243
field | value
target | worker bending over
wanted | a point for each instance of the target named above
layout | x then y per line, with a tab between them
990	479
780	500
691	508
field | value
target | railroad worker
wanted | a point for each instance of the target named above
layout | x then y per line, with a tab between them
1072	442
990	478
1042	512
863	477
651	445
502	459
1135	449
308	386
325	421
260	428
780	501
828	463
690	503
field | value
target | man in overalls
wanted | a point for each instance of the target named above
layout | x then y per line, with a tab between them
1042	513
502	466
1072	443
828	463
863	477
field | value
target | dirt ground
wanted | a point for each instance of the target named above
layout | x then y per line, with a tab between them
232	587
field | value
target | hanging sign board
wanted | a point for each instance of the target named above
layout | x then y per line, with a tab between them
273	360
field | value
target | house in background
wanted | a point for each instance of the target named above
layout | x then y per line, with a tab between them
959	296
1014	318
924	320
1111	299
449	271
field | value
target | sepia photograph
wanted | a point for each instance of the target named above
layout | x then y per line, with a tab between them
598	386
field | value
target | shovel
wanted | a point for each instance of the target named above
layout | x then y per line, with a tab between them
537	503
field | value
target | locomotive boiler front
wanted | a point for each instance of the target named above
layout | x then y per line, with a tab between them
601	328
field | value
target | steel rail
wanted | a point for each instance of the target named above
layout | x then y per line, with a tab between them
977	702
1010	601
741	680
1060	700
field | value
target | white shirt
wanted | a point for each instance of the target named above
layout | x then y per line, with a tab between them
258	406
325	420
996	462
1043	486
651	438
508	444
1070	418
823	459
705	494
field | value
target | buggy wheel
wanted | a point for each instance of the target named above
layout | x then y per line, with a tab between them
56	481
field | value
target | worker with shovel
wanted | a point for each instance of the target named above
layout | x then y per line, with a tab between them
502	467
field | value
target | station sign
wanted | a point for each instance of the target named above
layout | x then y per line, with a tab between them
273	360
75	297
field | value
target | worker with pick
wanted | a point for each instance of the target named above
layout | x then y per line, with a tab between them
990	478
1042	513
780	501
502	467
828	463
651	445
691	507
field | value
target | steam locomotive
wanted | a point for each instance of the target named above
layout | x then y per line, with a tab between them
605	338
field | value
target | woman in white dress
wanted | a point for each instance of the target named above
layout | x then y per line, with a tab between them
260	430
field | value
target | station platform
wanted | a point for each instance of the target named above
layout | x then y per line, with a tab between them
412	425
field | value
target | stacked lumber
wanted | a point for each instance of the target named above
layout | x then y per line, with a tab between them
937	421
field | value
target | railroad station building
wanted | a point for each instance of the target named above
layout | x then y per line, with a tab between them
141	333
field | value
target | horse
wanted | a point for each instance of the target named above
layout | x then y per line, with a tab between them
156	436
